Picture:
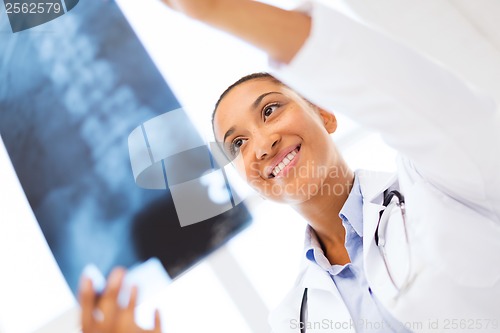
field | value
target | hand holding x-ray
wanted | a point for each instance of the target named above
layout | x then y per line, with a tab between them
104	313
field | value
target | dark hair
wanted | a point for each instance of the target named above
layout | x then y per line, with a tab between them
254	76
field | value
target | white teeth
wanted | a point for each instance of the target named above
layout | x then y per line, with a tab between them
286	160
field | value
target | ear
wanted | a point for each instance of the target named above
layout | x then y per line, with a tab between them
329	120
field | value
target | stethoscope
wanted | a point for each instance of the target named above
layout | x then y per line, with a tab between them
380	240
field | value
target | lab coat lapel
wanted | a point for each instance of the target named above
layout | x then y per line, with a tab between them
373	185
316	278
325	304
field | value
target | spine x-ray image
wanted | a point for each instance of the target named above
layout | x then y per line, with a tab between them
71	93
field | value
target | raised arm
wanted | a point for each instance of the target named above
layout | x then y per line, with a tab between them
279	33
446	130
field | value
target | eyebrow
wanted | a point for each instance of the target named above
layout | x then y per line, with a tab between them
259	99
228	133
255	104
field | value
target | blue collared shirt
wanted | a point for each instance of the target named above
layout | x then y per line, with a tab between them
367	314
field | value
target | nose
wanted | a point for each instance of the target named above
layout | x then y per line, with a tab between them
265	144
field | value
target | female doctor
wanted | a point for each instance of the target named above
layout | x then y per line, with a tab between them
414	251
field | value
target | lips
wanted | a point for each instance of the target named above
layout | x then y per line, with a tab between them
281	161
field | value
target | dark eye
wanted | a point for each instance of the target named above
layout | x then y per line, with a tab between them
236	145
268	110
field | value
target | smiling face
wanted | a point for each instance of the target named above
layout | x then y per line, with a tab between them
277	140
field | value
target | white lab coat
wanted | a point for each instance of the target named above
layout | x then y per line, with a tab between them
448	136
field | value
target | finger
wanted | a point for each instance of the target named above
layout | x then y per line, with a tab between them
157	328
167	2
133	299
114	282
108	303
86	297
